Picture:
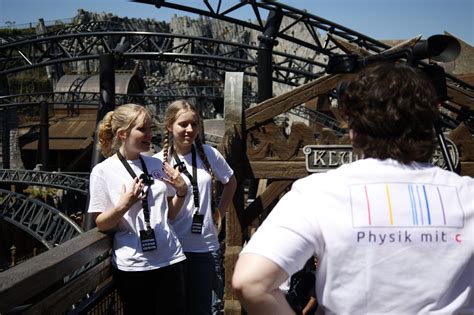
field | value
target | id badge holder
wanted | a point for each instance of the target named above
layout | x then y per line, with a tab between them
147	239
198	220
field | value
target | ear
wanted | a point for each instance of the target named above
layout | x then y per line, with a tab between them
122	135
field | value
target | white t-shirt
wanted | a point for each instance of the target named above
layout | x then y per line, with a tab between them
106	182
390	238
207	241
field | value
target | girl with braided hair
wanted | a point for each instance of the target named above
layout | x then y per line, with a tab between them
202	165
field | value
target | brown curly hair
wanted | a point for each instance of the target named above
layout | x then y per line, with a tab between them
391	108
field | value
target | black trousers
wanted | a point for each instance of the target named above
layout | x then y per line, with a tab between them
160	291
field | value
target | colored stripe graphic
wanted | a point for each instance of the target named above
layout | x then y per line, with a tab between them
419	205
427	205
413	205
442	205
390	210
368	205
405	204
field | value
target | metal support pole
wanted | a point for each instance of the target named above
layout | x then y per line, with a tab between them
107	97
43	143
265	60
106	104
5	127
265	69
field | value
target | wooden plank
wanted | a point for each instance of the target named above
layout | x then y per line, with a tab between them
232	307
62	299
351	48
460	95
347	47
464	141
233	150
407	43
279	169
266	199
36	275
272	107
262	186
467	169
231	303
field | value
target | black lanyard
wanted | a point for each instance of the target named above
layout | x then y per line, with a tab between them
147	180
193	178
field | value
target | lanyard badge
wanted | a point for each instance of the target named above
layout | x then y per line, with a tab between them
198	222
147	239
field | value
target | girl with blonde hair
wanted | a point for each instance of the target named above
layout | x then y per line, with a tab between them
202	165
133	195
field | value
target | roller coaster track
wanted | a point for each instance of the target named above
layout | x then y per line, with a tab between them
199	51
257	11
50	179
48	225
159	95
260	11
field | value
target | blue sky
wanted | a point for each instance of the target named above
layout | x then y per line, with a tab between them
379	19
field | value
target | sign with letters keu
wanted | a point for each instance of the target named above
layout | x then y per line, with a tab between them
321	158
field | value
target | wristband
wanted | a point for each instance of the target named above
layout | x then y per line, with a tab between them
180	196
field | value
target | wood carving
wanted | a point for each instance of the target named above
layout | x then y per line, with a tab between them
269	142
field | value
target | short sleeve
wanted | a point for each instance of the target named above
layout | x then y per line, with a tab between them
220	167
289	236
98	198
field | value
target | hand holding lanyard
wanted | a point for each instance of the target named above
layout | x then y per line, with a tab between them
147	237
198	219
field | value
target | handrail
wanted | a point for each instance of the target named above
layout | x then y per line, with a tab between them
25	285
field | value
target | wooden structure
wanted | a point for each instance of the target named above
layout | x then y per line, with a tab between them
46	284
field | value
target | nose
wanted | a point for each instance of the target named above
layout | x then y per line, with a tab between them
189	128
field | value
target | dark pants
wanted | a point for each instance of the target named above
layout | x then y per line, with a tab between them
200	282
160	291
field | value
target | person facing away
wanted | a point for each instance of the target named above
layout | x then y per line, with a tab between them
132	196
201	166
392	233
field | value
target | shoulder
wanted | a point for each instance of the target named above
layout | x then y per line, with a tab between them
211	152
208	148
105	166
159	155
317	181
152	160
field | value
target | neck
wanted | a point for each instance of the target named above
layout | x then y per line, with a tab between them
182	150
129	155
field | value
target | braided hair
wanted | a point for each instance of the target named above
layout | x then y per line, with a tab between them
170	117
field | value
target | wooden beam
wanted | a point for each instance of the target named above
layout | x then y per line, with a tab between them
72	292
39	273
233	150
265	200
270	108
279	169
460	96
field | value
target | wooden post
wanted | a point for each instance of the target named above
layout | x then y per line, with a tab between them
233	150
